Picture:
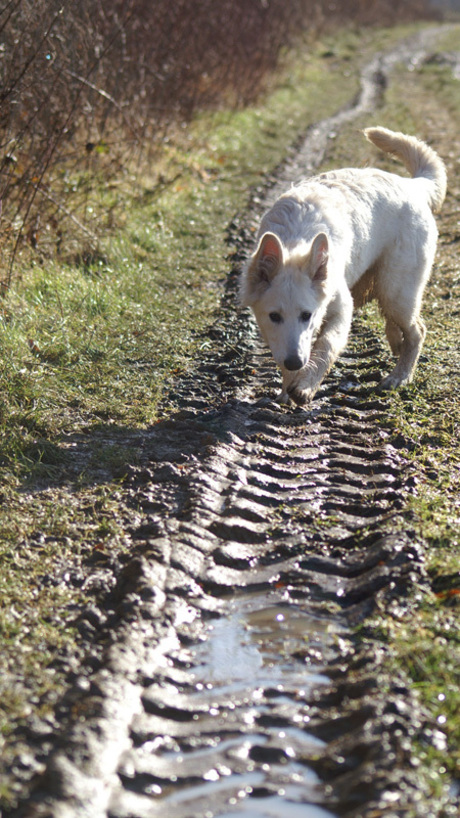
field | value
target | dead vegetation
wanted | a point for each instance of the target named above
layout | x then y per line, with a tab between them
85	87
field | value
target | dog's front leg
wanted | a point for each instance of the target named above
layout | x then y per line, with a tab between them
304	388
288	382
329	344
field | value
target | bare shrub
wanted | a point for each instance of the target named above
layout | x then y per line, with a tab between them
84	85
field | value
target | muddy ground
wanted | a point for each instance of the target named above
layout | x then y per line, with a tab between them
223	664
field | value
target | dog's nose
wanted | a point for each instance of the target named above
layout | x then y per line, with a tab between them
293	362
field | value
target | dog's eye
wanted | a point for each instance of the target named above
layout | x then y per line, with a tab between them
305	317
275	317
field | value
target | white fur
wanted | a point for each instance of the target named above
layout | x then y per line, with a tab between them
332	243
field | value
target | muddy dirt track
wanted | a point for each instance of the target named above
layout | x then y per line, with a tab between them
223	673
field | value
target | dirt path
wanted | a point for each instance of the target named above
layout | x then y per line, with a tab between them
222	674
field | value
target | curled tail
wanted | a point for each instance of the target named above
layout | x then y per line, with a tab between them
419	159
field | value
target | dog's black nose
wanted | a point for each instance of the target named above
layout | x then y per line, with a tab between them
293	362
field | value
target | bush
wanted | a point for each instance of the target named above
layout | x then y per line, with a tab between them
86	85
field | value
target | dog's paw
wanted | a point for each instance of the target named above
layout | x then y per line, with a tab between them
283	398
302	397
391	382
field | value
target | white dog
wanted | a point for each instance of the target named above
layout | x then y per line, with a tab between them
336	241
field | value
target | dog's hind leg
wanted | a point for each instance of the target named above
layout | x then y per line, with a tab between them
394	336
402	279
410	348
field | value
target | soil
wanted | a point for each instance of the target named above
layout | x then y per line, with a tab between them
220	669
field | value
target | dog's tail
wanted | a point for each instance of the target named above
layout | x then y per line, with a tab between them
419	159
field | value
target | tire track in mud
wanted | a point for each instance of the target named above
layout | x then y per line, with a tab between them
227	679
232	683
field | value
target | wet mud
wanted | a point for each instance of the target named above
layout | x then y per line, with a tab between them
225	673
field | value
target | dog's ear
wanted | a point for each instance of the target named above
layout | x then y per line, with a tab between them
319	256
262	268
268	257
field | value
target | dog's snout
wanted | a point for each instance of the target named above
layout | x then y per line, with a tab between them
293	362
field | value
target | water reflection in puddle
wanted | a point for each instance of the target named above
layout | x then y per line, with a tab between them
255	665
278	807
255	642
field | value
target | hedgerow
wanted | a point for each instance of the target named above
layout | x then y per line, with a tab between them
87	88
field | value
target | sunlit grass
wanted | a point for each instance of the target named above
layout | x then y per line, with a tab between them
424	643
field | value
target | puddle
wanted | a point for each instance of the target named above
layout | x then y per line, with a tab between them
278	807
256	642
253	758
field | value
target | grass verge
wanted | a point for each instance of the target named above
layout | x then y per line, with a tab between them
423	641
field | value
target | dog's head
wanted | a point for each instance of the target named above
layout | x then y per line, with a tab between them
288	294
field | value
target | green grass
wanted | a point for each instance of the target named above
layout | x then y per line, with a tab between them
424	642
